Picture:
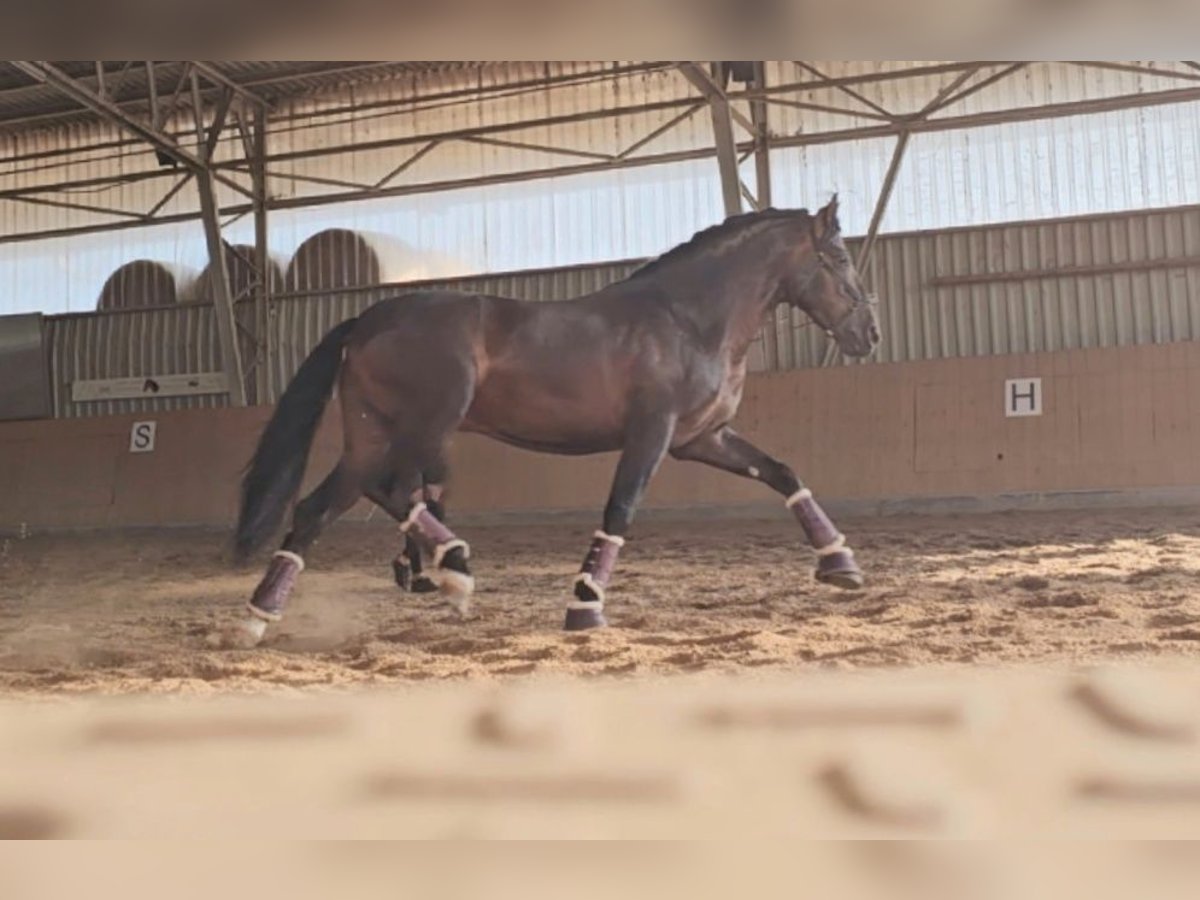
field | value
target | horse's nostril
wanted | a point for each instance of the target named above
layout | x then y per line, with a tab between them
874	335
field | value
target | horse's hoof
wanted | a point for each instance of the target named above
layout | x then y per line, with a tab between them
583	619
245	635
423	584
403	573
840	570
456	589
847	581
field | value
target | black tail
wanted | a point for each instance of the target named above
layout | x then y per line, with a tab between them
274	475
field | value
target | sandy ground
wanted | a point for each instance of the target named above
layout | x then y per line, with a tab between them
1017	675
134	612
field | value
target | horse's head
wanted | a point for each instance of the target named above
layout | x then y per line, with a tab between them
829	289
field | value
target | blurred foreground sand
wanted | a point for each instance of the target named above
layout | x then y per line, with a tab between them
1016	753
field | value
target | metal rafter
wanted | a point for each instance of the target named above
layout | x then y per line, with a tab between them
47	74
406	165
662	129
247	168
539	148
722	111
213	74
713	92
166	198
843	88
81	207
820	107
945	102
485	91
684	105
948	89
402	105
218	123
1140	70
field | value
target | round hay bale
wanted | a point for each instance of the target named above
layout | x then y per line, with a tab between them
341	258
141	283
239	264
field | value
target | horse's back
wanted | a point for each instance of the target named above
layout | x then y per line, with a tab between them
417	305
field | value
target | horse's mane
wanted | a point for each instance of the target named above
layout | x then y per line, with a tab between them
706	239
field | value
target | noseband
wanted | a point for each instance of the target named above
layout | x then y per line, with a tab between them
857	298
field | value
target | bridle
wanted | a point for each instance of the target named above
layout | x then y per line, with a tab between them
858	299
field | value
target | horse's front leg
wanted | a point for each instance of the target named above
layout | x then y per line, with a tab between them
645	447
726	449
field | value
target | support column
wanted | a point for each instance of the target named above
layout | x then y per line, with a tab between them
262	257
881	205
722	125
762	187
231	356
727	161
762	136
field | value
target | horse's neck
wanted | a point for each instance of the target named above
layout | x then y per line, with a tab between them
728	311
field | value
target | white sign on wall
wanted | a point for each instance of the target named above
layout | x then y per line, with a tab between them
1023	397
86	391
141	437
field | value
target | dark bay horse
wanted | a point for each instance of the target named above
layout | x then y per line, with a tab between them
651	365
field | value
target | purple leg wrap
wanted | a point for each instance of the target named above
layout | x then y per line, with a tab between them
271	595
835	563
586	610
820	531
426	528
600	561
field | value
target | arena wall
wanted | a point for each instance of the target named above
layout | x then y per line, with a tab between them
1120	419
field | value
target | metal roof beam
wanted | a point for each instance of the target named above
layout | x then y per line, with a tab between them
45	73
723	115
1139	70
844	88
929	125
941	102
704	83
217	77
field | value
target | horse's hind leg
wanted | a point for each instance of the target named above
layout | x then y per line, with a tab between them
426	533
408	565
337	493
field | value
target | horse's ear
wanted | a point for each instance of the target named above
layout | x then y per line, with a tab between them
827	218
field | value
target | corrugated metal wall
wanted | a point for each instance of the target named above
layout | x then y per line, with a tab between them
1096	281
129	343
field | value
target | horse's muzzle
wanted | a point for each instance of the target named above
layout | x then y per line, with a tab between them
858	334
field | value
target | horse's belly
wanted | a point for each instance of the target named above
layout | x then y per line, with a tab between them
559	421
